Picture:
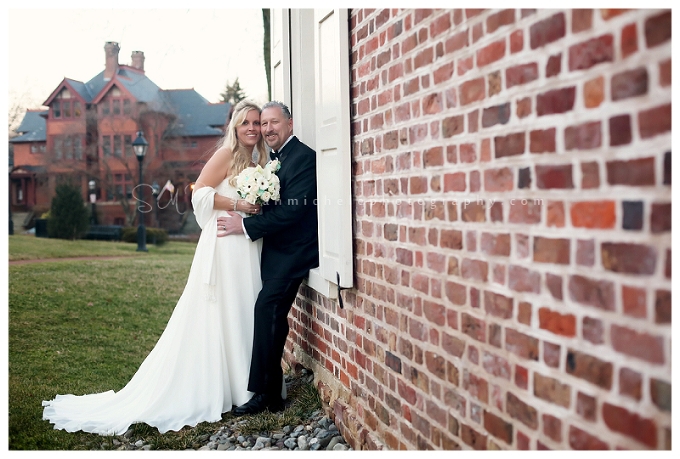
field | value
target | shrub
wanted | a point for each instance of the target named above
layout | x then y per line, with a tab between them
160	235
68	214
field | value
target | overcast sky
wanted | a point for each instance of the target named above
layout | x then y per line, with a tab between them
183	48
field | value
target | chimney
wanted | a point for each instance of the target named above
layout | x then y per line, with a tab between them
111	49
138	60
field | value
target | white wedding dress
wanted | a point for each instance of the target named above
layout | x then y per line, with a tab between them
199	367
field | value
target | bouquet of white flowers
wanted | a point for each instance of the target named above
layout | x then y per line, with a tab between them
259	185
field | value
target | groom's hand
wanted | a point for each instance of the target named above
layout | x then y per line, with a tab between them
229	225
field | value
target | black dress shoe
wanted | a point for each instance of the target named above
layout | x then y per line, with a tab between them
276	404
257	404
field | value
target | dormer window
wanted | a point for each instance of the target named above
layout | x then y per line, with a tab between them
56	109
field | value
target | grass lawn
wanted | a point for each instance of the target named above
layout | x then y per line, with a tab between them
84	326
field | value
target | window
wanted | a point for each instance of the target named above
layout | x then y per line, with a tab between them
106	145
76	108
127	107
56	109
128	146
68	147
122	185
116	106
78	147
117	146
58	148
66	108
105	107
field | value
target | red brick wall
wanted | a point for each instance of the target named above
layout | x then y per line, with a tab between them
512	234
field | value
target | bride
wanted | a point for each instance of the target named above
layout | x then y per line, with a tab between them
199	367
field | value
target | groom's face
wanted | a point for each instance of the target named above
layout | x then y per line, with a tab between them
276	128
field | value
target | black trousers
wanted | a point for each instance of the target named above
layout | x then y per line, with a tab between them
271	330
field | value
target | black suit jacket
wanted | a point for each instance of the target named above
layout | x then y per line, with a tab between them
290	245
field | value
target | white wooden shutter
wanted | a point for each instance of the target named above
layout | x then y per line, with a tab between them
331	82
279	33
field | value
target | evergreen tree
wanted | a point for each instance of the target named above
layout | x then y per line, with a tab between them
267	50
68	214
233	93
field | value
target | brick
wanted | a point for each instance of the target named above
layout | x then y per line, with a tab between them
665	78
523	107
472	91
516	41
498	427
552	354
499	114
581	19
585	136
523	412
555	101
655	121
597	293
473	327
593	92
586	406
630	383
630	83
509	145
455	182
634	172
495	244
524	178
595	51
521	279
552	427
456	293
590	368
453	125
524	313
554	284
453	345
451	239
549	250
552	390
662	307
636	344
500	19
498	305
555	214
620	130
496	212
521	74
520	344
547	30
473	212
634	301
660	392
554	322
525	211
542	141
593	214
658	29
628	258
629	44
500	179
585	252
554	65
554	176
582	440
593	330
661	217
590	175
522	245
491	53
630	424
472	438
467	153
474	269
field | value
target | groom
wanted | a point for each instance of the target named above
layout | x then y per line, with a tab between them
289	250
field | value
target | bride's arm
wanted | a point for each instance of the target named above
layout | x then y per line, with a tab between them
213	173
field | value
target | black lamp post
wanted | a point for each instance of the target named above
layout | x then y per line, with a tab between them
93	198
140	144
11	222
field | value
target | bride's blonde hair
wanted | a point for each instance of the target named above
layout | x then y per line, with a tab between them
242	158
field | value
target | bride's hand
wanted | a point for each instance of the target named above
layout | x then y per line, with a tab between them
245	206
